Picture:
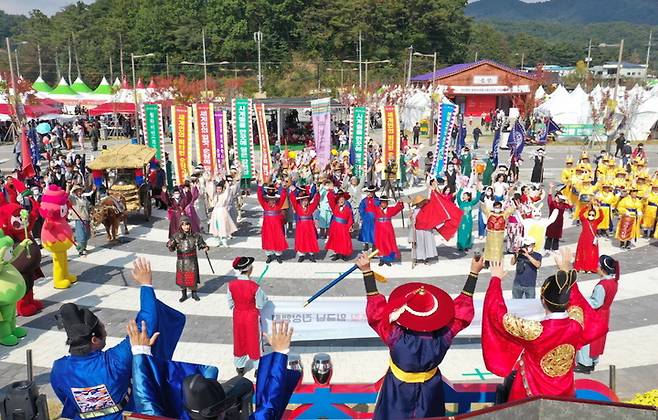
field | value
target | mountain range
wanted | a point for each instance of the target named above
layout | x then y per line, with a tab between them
567	11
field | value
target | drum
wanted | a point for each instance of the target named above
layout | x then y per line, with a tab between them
626	225
480	167
585	198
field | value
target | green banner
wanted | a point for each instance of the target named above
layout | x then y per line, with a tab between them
243	139
577	130
152	118
358	131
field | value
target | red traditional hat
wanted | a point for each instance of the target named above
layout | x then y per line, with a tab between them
420	307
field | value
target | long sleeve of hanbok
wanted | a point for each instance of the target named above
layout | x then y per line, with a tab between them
594	323
274	386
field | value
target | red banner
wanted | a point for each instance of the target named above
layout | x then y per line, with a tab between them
265	156
391	122
205	136
182	122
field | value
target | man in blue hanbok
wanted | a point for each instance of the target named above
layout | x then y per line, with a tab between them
367	232
96	383
417	324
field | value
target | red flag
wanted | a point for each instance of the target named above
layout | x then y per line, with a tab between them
440	213
27	168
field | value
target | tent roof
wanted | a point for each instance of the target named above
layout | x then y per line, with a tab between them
80	87
113	108
130	156
104	88
117	82
459	68
63	88
303	102
41	86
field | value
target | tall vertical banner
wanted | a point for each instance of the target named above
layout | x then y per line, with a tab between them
221	140
359	133
264	139
242	135
152	126
391	131
446	120
181	132
321	117
204	134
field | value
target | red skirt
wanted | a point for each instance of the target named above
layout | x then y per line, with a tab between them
340	240
246	333
385	239
587	255
273	235
186	278
306	237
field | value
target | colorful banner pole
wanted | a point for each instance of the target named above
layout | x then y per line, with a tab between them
204	134
182	127
242	135
263	137
152	127
321	117
391	129
221	140
446	120
358	135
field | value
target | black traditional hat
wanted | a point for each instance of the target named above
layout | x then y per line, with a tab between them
556	290
243	263
608	264
370	188
80	325
204	398
184	219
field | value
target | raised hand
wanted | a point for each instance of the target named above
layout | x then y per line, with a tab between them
281	336
140	338
498	269
141	271
563	260
363	262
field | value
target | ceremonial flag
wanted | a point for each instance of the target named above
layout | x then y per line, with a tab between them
517	139
446	121
461	137
181	130
321	117
263	137
494	147
204	134
359	133
391	129
221	145
27	168
242	135
152	125
550	127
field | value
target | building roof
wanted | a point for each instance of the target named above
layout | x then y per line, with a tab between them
624	64
459	68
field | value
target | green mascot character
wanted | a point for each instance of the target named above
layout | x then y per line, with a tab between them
12	289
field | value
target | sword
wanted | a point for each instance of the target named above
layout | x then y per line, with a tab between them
267	267
209	263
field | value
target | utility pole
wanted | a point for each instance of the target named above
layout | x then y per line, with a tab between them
59	74
205	65
646	74
19	114
608	145
75	51
411	55
258	37
70	60
39	52
476	55
111	74
589	53
167	64
121	55
18	66
360	71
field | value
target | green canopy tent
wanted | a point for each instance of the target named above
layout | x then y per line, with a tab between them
80	87
40	85
63	88
104	88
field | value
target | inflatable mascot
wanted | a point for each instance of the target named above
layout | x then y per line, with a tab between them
56	234
12	289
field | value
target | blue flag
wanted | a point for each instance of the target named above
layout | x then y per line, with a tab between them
551	127
517	139
494	147
446	120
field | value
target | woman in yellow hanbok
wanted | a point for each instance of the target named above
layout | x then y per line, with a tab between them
584	193
643	187
630	214
650	210
607	203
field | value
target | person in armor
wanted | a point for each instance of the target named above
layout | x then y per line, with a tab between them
185	243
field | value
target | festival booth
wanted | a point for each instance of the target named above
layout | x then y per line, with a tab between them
481	86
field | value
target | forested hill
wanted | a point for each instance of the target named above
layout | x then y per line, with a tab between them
573	11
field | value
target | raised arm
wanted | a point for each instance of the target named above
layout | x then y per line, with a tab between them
376	303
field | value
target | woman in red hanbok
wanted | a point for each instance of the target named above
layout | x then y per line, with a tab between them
306	236
273	235
340	239
384	233
587	252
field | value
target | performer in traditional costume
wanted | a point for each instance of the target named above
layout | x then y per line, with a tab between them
186	242
587	251
324	211
340	238
306	236
417	324
554	230
649	212
538	168
607	203
385	241
538	356
273	234
95	383
630	214
176	208
601	300
245	298
422	240
496	224
222	224
367	232
466	202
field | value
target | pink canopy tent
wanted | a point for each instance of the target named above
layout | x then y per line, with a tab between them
113	108
31	111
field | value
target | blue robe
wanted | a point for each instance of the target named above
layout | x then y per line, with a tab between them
367	232
99	381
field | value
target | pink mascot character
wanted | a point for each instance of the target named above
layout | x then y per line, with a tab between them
56	234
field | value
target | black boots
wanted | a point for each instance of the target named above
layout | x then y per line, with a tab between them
183	297
195	296
269	259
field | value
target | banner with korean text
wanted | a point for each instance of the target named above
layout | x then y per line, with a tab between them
204	134
152	126
221	140
263	138
242	135
321	118
359	134
181	132
446	120
391	130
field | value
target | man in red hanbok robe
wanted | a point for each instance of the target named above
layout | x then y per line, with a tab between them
273	234
601	300
587	251
306	236
246	299
340	228
538	356
554	230
384	233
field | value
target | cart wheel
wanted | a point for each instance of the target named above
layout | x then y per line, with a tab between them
147	206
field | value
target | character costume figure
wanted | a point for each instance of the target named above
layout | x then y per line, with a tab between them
56	234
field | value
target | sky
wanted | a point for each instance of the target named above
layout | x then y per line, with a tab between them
23	7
